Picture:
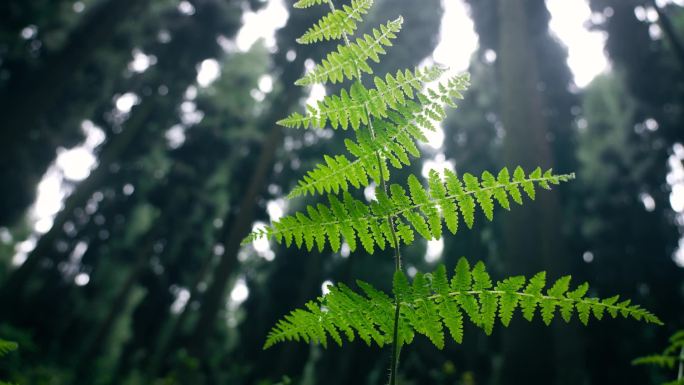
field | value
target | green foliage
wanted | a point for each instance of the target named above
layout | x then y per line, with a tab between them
658	360
349	61
337	23
309	3
389	121
671	356
396	137
5	348
433	303
359	104
420	209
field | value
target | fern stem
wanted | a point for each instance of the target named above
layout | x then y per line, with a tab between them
680	373
395	347
395	239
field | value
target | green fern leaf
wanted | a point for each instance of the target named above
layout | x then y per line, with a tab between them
462	282
488	301
308	3
383	306
657	360
354	220
678	337
483	196
509	288
676	343
528	303
430	304
7	346
549	304
402	290
349	61
429	321
528	187
396	112
448	310
355	106
465	202
672	356
395	139
337	23
489	181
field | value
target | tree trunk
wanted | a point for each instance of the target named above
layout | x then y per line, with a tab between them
99	336
532	234
670	32
175	326
172	329
214	299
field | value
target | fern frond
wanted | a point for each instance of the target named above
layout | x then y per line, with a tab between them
308	3
418	209
671	356
337	23
676	343
7	347
356	106
433	303
658	360
349	61
395	140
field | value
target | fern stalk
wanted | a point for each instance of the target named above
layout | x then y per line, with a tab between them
680	372
390	221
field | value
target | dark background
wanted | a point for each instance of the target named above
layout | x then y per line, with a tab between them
141	279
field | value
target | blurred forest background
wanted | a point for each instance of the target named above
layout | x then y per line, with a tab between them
138	147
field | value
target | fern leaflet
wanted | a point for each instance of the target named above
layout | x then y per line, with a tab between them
418	209
433	303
